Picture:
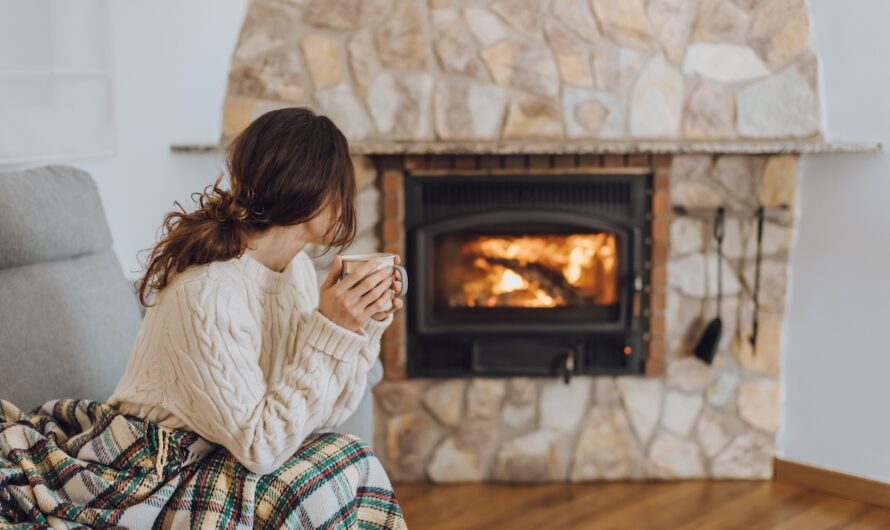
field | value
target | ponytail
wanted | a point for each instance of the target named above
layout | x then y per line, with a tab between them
216	230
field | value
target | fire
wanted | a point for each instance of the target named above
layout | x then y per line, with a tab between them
510	281
533	271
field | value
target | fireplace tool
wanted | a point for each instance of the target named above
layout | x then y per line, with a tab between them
710	339
757	260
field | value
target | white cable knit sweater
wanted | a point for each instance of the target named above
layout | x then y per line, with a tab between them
239	354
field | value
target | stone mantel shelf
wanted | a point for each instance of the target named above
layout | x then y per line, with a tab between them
531	147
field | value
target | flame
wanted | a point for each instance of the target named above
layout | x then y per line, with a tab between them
533	271
510	281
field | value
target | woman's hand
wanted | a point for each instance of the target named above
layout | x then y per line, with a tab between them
396	301
351	301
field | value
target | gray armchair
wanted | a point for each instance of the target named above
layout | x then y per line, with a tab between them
68	316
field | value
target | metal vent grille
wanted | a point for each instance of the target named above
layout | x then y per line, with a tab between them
449	199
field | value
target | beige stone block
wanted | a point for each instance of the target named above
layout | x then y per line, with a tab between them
710	113
522	390
642	399
680	412
401	105
606	448
572	59
323	57
398	397
540	456
453	43
656	107
778	183
780	30
402	41
533	118
672	458
345	14
624	21
445	400
484	397
464	456
485	26
363	59
523	15
410	441
562	405
468	111
524	64
748	456
758	404
721	21
715	430
782	105
671	22
576	15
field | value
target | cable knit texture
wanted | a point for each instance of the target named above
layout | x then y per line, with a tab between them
239	354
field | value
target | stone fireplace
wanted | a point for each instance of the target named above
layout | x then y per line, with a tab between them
549	170
678	417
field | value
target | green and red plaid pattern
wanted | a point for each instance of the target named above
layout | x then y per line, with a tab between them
82	464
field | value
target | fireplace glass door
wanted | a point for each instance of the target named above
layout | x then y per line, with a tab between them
519	274
547	273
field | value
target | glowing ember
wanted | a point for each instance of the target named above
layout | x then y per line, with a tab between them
530	271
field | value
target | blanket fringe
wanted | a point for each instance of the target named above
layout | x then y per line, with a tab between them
163	451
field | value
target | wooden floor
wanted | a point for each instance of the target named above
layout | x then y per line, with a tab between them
637	506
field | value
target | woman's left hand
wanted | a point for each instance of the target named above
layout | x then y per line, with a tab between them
397	302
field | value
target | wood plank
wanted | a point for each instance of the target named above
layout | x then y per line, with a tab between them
831	512
652	506
576	500
840	484
874	519
747	510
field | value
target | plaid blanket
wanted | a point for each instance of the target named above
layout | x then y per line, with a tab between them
83	464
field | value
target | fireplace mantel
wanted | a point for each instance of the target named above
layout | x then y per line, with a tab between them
434	147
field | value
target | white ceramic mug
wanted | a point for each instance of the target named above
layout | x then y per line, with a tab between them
352	262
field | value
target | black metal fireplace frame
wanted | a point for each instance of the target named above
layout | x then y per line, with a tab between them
530	348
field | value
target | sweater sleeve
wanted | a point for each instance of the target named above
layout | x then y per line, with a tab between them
354	389
216	385
357	383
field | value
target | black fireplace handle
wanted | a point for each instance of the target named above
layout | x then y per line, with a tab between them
569	366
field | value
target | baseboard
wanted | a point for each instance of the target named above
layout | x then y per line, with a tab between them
838	484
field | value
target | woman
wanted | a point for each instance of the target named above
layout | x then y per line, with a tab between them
239	344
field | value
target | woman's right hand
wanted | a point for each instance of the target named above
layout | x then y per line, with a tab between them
351	301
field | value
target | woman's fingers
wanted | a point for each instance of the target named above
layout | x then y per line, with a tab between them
372	280
397	304
377	296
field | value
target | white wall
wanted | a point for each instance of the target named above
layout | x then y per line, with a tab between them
171	60
837	366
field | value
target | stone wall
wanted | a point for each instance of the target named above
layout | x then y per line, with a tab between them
476	70
519	69
695	421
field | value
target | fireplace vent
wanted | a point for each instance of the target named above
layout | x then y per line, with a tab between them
443	198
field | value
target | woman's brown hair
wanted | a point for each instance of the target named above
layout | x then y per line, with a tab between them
285	168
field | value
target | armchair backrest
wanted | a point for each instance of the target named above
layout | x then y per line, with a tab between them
68	316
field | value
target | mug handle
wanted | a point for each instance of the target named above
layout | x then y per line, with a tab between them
404	276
